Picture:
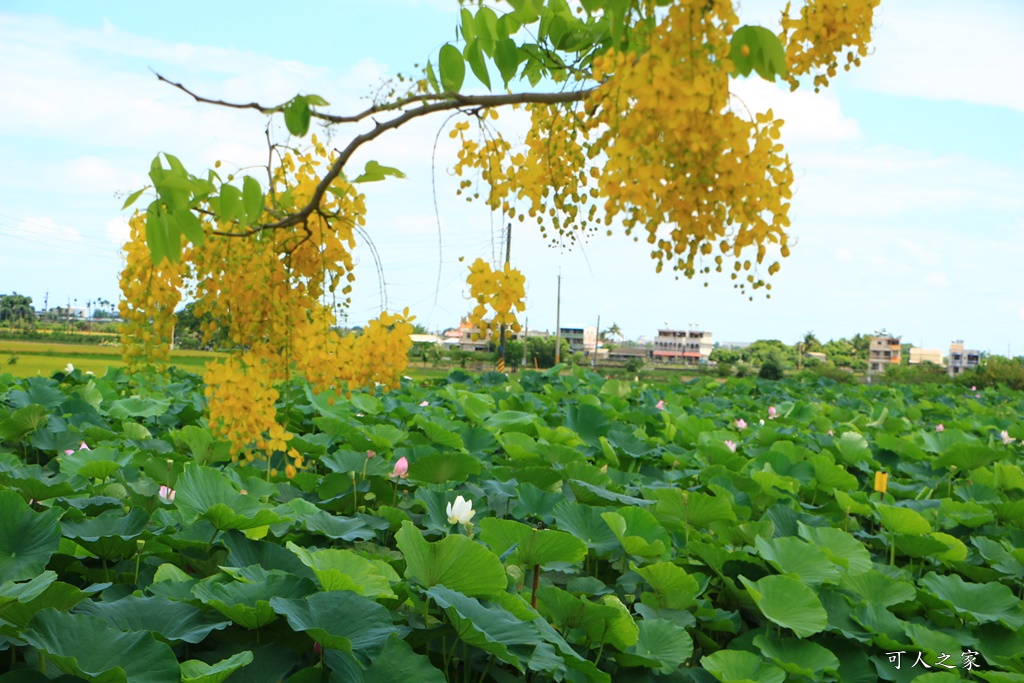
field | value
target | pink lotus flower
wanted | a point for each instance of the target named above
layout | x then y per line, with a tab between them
83	447
1007	439
974	388
424	404
401	469
830	433
772	413
370	454
660	405
167	493
940	428
741	423
731	446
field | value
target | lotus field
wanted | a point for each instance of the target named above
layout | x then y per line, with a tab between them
538	527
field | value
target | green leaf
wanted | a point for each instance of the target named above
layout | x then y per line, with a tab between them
452	67
798	657
585	523
111	534
740	666
252	200
374	172
343	570
98	463
789	603
297	115
638	531
133	197
981	602
27	538
903	520
475	56
677	509
138	407
85	646
438	468
439	434
195	671
206	492
432	78
340	620
506	58
661	645
248	604
456	561
398	662
674	587
171	620
792	555
488	627
839	546
533	546
22	422
764	52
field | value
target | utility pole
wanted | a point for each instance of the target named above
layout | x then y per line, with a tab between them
558	321
597	338
526	341
508	256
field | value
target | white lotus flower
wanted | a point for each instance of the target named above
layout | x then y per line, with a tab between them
68	369
461	511
1007	439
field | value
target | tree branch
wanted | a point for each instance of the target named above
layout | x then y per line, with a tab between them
429	104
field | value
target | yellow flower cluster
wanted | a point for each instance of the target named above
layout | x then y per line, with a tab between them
272	294
658	149
242	404
824	31
151	293
503	291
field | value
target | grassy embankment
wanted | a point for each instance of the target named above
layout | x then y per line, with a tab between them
45	358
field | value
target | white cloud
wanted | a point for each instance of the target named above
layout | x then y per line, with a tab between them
118	230
947	50
809	116
937	280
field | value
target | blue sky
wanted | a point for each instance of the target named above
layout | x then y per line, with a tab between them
908	212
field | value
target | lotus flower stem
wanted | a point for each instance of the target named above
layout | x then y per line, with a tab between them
536	585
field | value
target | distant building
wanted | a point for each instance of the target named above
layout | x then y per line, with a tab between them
580	338
426	339
732	346
918	356
883	351
686	346
816	355
961	359
462	336
625	353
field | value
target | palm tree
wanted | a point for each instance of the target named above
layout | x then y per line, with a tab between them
615	331
810	342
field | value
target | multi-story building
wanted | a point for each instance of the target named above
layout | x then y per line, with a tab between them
883	351
687	346
919	356
580	338
961	359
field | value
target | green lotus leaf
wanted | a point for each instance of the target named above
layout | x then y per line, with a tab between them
456	562
791	555
740	666
85	646
980	602
343	570
798	657
661	645
533	546
27	538
206	492
340	620
195	671
172	621
248	603
789	603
